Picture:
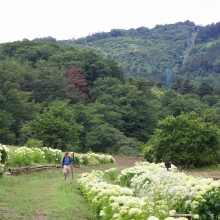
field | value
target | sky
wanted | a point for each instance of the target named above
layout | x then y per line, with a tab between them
67	19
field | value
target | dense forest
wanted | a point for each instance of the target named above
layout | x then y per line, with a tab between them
106	92
149	53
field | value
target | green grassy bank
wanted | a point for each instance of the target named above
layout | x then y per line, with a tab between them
42	196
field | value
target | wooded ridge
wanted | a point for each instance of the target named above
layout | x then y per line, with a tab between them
107	92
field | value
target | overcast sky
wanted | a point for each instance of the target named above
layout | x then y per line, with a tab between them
66	19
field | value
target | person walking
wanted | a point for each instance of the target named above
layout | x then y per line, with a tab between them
67	164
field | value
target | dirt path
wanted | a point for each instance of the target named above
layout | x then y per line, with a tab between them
127	161
192	44
209	174
130	161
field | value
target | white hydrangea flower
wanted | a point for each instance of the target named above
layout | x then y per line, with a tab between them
196	216
116	215
153	218
134	211
172	212
102	213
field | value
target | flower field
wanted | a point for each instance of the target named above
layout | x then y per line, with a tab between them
144	191
149	191
24	156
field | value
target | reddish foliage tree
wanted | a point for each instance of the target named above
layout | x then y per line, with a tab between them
77	78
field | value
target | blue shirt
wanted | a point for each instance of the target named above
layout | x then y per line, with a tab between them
67	161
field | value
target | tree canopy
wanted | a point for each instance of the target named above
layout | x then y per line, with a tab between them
185	140
56	127
112	84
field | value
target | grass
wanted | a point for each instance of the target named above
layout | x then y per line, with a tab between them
42	196
11	147
208	169
45	196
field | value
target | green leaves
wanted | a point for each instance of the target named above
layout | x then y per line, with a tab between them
210	207
186	141
56	127
14	102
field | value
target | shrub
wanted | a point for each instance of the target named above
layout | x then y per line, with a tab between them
34	143
185	141
93	162
3	154
209	207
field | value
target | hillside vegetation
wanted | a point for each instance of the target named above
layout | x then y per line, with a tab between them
81	95
149	53
142	52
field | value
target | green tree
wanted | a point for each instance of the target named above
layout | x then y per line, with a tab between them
107	85
133	100
6	135
212	114
99	120
56	127
204	89
29	50
216	65
93	65
13	100
186	141
104	137
186	87
46	83
174	103
138	111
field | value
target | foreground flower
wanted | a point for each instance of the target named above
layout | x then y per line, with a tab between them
196	216
154	193
153	218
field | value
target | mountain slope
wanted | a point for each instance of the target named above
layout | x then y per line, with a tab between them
142	52
149	53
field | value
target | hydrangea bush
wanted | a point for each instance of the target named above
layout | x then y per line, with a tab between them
83	159
3	157
172	188
149	191
24	156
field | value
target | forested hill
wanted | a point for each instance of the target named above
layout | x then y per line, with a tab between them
149	53
142	52
66	97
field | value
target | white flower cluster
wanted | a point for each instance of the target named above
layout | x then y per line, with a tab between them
23	150
110	170
34	155
114	201
102	158
49	155
2	148
151	180
52	150
154	193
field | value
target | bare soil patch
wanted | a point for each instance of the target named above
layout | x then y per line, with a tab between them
210	174
127	161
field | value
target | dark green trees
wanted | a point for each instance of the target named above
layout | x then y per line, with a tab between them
6	135
115	111
185	141
56	127
15	105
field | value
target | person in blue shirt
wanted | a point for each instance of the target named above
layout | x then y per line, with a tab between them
67	164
